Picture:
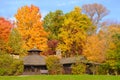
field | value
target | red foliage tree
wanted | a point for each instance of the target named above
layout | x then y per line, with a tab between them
52	44
5	28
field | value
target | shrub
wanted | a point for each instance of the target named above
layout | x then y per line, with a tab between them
53	65
5	62
10	66
17	67
78	68
103	69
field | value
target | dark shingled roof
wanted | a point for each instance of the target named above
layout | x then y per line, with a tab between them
72	60
34	60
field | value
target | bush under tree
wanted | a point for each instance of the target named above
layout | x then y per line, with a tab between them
9	65
78	68
53	65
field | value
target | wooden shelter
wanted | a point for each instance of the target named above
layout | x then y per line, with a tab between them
68	62
34	63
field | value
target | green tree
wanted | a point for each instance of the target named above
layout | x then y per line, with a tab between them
52	22
15	42
113	56
113	49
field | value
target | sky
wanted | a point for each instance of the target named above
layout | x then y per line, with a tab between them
8	8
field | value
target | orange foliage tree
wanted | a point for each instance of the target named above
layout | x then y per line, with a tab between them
94	49
30	27
5	28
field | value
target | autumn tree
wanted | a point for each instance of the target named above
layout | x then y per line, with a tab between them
5	28
52	44
73	33
52	22
113	50
96	13
94	49
111	35
30	27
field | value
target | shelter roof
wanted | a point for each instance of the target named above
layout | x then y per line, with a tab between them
34	60
71	60
34	50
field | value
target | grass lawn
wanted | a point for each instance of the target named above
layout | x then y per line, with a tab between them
61	77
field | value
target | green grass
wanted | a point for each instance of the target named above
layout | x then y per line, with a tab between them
61	77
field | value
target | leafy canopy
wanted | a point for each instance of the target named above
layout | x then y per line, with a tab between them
30	27
73	32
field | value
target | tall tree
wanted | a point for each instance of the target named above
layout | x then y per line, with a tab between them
52	22
113	50
30	27
73	33
96	12
5	28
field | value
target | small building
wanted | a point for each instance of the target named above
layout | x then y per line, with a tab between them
68	62
34	63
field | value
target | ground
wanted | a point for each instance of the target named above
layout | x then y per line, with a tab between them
61	77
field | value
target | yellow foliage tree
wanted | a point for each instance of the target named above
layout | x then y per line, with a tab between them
73	33
30	27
